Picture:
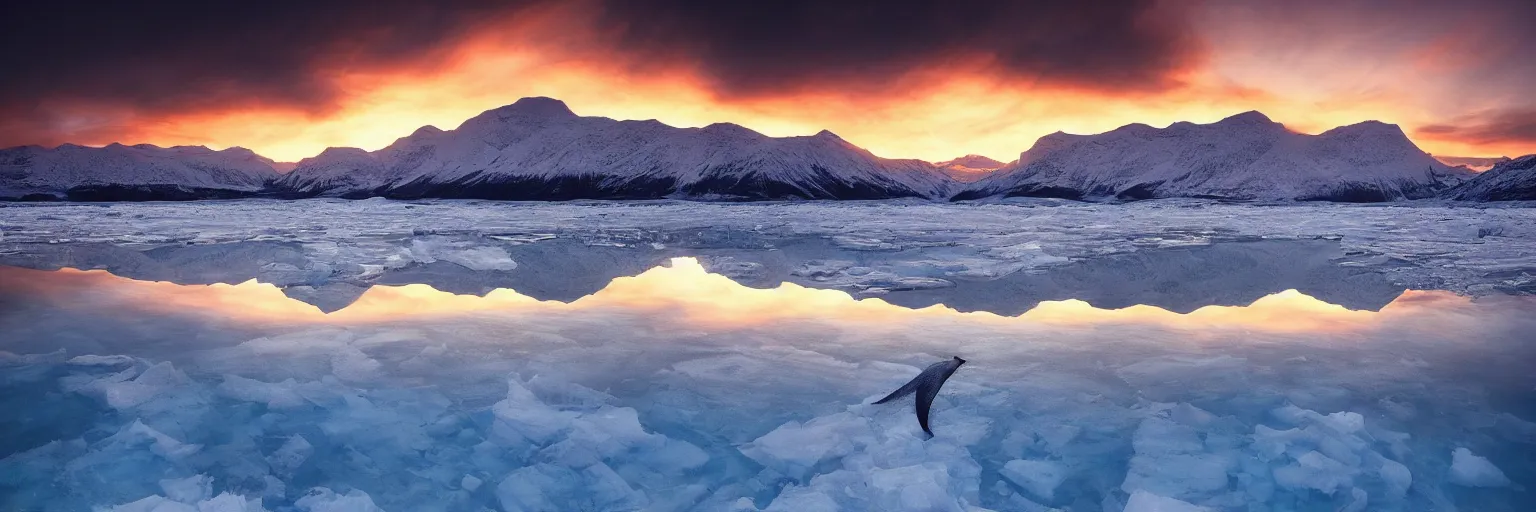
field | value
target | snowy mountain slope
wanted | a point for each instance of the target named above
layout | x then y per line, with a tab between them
141	172
1246	156
537	149
968	168
1474	164
1513	180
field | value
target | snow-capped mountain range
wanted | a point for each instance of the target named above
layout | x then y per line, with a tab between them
141	172
968	168
1510	180
1472	163
538	149
1246	156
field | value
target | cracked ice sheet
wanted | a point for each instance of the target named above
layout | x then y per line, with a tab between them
616	409
1417	245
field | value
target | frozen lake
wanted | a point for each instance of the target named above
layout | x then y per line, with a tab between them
1165	355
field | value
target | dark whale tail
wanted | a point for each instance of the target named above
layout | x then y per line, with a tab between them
926	385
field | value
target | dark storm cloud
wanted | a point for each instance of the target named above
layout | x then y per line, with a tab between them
174	53
146	59
126	61
1505	126
762	47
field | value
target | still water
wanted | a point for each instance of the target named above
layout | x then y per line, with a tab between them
681	387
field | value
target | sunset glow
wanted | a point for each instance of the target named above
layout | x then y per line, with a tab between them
686	293
1444	86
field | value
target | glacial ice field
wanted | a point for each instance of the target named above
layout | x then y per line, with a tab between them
461	355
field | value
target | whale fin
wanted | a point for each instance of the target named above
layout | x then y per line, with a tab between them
904	390
926	391
926	385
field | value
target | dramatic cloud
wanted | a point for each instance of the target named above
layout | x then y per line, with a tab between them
757	48
1510	126
906	78
192	54
117	58
188	56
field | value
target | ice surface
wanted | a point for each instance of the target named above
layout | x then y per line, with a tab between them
594	420
1397	477
1316	471
276	395
224	502
188	490
157	379
290	455
326	250
1473	471
1143	501
93	360
321	499
687	392
1039	477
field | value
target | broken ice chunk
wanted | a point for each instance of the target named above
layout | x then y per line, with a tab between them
523	417
470	483
94	360
1471	470
322	499
352	365
163	445
549	487
277	395
1358	499
1342	422
188	490
1396	476
1039	477
291	455
796	498
1171	460
155	380
152	504
1143	501
8	359
917	487
1314	470
794	448
605	432
224	502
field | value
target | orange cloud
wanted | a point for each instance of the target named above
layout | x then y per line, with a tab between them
940	116
1310	72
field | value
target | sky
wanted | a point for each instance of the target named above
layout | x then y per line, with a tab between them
903	78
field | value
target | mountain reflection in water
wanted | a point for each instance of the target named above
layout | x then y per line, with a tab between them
684	292
681	389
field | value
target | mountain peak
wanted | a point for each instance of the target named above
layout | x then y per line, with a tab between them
538	106
971	162
338	153
1370	128
1251	117
729	130
1053	140
239	152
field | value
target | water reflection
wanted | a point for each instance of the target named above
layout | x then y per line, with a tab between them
685	292
1003	280
681	389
